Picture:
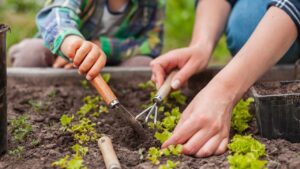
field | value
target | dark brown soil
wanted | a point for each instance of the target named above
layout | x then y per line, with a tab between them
270	88
54	144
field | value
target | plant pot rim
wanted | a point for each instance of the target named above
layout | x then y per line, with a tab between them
256	94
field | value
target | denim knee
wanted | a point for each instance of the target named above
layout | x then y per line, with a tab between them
244	18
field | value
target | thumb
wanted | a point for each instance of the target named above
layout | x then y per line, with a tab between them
184	74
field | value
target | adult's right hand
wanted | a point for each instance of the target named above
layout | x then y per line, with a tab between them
189	60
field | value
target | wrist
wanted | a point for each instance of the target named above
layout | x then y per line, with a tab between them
206	47
228	87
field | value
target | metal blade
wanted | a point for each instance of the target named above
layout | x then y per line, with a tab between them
130	119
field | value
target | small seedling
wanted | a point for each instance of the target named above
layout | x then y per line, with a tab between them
154	154
246	144
106	77
149	85
35	142
17	151
52	94
169	165
162	136
76	160
248	161
85	84
80	150
241	115
36	105
84	131
65	121
178	97
246	153
20	128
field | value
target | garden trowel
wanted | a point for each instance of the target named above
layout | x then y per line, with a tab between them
111	100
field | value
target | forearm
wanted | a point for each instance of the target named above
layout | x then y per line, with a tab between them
211	17
57	21
272	38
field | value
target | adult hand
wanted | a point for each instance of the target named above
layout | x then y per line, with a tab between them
86	55
205	124
189	60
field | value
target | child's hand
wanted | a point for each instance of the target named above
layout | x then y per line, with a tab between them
61	63
87	56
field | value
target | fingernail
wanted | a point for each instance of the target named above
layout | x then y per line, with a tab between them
175	84
88	77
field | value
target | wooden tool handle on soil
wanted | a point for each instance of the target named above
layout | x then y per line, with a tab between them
110	158
103	89
166	87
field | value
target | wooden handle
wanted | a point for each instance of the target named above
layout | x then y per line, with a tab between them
166	87
103	89
110	158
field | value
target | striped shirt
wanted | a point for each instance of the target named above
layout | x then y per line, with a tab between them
291	7
140	32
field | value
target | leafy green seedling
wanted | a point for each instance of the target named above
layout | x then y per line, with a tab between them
106	77
66	120
80	150
36	105
163	136
153	155
246	153
171	119
92	104
52	94
241	115
35	142
85	84
246	144
248	161
178	97
149	85
176	150
17	151
20	128
84	131
76	162
169	165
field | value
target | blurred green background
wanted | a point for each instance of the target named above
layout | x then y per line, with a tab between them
180	15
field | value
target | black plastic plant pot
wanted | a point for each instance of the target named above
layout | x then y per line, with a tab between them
3	106
278	109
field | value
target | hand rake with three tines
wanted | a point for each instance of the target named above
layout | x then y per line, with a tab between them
158	98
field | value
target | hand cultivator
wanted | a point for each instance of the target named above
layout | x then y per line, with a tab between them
158	98
112	101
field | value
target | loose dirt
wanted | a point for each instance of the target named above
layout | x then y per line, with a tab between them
270	88
54	144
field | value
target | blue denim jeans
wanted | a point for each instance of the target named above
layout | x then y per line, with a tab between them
244	17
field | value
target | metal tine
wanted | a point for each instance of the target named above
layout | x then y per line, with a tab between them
150	112
143	112
155	115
